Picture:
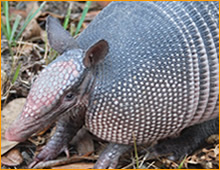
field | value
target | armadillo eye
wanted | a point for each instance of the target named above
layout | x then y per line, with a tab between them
69	96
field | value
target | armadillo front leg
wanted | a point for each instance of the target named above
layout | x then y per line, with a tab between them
110	156
66	129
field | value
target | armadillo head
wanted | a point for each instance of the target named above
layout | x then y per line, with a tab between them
64	84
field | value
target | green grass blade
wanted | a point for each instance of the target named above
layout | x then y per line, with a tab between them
16	74
29	15
72	29
85	10
4	30
67	18
136	152
14	28
29	19
181	164
7	18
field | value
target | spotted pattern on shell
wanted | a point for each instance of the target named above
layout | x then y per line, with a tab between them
155	80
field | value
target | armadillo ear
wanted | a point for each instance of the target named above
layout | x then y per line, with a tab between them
59	39
96	54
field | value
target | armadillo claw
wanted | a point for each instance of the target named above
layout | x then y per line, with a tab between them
106	163
47	154
110	156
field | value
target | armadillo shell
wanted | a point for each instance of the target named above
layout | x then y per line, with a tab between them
199	22
161	73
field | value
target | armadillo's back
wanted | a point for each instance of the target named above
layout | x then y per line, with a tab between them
161	73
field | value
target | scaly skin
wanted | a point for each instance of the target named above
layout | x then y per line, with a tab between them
66	129
110	156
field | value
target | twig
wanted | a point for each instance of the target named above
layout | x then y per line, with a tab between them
63	161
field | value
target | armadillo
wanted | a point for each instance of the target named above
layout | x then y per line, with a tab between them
141	71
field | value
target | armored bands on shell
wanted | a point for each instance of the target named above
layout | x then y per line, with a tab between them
166	83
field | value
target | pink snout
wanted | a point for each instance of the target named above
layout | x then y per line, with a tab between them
12	136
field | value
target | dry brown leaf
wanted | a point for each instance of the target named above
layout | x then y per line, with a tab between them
43	36
79	165
208	165
12	158
91	15
16	12
210	154
39	141
44	15
26	49
205	158
169	163
8	115
213	139
32	7
103	3
191	159
32	30
6	145
216	150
